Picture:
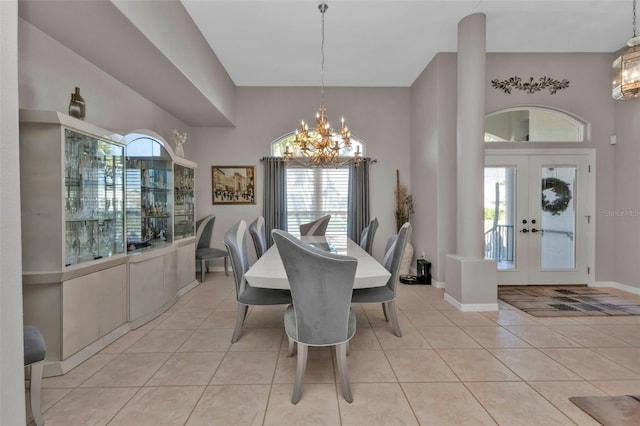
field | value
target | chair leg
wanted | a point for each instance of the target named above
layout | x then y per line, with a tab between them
394	319
35	378
241	315
292	347
341	359
226	268
384	311
203	270
300	369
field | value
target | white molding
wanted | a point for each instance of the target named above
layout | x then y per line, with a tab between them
58	368
184	290
438	284
472	307
612	284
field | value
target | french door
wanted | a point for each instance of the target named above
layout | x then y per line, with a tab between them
537	221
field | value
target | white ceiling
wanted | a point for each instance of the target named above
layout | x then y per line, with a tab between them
389	43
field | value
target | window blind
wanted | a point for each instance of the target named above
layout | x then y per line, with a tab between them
315	192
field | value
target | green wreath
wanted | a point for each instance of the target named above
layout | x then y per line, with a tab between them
563	195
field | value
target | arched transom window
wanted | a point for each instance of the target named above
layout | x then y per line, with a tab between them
533	124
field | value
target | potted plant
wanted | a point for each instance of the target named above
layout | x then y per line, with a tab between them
404	203
404	211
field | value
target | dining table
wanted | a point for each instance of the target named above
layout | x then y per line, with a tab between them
268	271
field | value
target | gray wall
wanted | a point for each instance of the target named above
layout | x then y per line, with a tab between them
377	116
589	97
49	72
624	210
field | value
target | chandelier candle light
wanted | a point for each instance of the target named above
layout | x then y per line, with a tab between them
322	146
626	68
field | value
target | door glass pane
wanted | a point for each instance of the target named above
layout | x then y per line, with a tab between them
499	215
558	218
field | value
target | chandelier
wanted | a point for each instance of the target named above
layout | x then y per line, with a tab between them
322	146
626	68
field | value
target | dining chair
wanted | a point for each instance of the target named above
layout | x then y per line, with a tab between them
204	251
386	295
257	231
368	234
321	285
316	228
236	242
34	355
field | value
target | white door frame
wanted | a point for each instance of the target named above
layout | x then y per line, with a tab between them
590	154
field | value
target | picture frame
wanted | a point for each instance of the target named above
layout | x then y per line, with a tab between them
233	185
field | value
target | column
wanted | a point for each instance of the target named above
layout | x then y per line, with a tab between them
471	280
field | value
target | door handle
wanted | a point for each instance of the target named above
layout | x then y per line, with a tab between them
534	230
524	231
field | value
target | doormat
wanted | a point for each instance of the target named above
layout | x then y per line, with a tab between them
611	410
567	301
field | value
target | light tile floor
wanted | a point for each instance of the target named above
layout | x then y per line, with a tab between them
449	368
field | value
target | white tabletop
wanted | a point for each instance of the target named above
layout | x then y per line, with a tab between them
268	271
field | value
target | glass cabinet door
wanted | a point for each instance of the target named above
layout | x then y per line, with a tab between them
184	202
93	198
149	203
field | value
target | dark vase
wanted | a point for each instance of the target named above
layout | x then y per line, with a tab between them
77	106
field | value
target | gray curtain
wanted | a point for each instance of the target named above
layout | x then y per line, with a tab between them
358	216
275	196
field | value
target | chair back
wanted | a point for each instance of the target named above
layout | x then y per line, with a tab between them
316	228
257	231
393	253
204	229
321	286
368	234
235	240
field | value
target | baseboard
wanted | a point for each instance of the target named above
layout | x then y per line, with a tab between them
438	284
471	307
58	368
184	290
619	286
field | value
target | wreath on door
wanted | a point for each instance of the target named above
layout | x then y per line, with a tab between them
563	195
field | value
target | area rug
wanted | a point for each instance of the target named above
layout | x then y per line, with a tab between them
566	301
611	410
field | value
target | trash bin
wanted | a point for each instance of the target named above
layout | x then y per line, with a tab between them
423	271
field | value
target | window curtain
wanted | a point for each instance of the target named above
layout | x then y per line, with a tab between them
358	216
275	195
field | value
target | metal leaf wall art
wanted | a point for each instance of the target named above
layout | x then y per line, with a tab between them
530	86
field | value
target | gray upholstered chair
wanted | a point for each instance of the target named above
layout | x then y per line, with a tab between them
256	229
316	228
204	251
386	295
321	285
34	354
368	234
236	242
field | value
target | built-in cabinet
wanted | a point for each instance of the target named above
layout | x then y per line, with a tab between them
107	232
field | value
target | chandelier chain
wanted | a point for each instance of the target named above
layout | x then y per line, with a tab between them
634	18
322	146
323	8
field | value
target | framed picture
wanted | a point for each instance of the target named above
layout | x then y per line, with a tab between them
233	184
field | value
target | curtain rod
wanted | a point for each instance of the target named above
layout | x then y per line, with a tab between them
370	160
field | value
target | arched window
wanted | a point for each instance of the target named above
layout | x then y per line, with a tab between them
533	124
313	192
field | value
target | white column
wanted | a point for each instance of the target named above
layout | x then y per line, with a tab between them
471	280
12	401
470	173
